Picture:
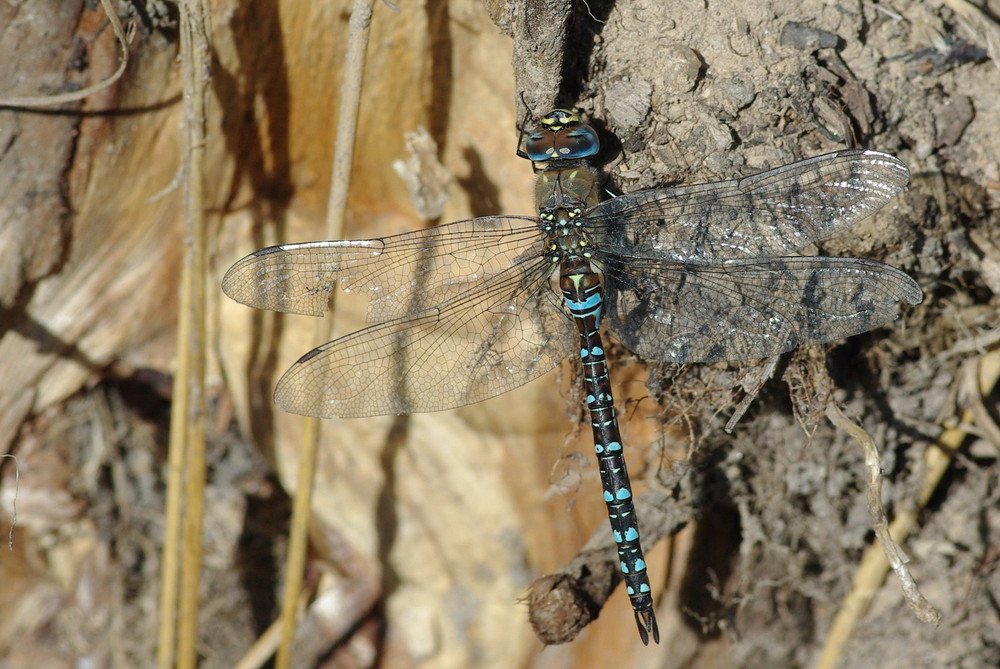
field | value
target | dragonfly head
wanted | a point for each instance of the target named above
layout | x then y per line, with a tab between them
561	136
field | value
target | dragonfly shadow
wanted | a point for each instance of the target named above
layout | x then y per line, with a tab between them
265	521
585	24
265	166
386	514
441	70
484	196
717	538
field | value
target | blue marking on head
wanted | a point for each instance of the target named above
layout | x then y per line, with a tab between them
631	534
624	493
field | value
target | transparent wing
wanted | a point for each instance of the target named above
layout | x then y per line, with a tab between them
492	339
745	309
773	213
402	275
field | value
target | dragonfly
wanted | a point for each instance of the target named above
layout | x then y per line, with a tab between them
466	311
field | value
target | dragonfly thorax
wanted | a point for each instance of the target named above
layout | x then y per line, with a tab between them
573	189
566	237
567	185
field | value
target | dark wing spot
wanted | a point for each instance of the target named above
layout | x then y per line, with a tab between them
268	251
309	356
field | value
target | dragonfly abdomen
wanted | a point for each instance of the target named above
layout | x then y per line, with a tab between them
582	291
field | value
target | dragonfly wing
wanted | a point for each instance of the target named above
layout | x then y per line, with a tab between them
773	213
492	339
746	309
401	275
